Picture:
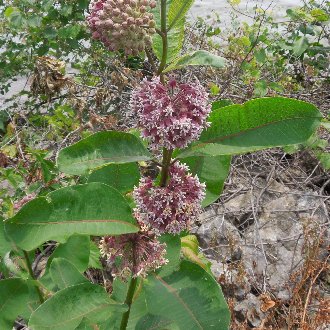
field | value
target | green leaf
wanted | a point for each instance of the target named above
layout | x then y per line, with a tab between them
66	308
173	250
100	149
260	88
177	11
175	36
190	297
65	274
211	170
94	257
89	209
199	57
123	177
9	11
17	299
326	125
324	158
5	245
319	15
261	55
80	244
258	124
50	32
300	45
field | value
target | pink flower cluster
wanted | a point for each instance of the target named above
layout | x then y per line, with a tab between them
122	24
133	254
171	116
172	208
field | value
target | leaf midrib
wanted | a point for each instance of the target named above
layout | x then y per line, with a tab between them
221	138
174	292
73	222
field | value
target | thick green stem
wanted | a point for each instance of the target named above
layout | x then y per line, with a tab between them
167	155
128	302
29	267
163	34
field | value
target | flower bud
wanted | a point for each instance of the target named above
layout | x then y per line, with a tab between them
121	21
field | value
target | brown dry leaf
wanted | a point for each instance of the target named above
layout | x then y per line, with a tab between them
3	160
267	303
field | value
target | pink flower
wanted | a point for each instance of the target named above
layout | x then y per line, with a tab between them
171	116
122	24
172	208
133	254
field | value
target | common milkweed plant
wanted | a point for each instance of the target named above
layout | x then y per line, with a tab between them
141	223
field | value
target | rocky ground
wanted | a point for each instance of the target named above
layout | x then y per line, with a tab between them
268	241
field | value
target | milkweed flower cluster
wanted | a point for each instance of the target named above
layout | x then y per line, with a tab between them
122	24
133	254
170	116
171	208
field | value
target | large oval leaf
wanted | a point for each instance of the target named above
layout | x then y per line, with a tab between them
258	124
80	244
89	209
123	177
213	171
65	274
189	297
99	149
17	298
197	58
66	308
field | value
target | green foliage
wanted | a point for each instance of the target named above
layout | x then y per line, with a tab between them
91	209
190	297
182	294
66	308
99	149
123	177
65	274
211	170
17	298
256	125
200	58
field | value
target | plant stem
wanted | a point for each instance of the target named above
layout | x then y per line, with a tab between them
29	266
167	154
163	15
128	301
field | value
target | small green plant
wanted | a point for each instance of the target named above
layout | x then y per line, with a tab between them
144	222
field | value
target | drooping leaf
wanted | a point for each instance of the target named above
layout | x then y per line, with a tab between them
66	308
89	209
300	46
258	124
197	58
94	257
99	149
190	297
211	170
17	299
123	177
65	274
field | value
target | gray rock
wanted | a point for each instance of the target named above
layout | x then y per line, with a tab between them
220	240
249	309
